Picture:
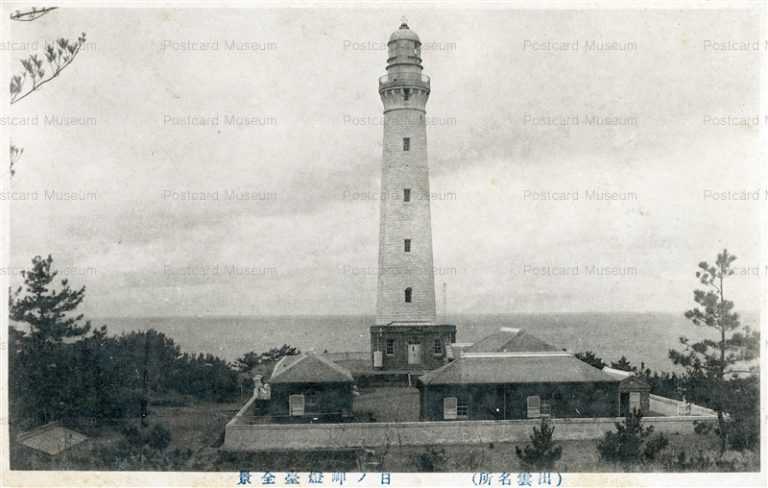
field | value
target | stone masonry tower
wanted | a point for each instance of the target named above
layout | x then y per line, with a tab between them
406	287
405	338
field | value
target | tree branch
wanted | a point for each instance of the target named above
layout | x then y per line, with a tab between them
30	15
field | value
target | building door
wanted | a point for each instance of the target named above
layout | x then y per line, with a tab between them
414	353
624	404
296	405
634	401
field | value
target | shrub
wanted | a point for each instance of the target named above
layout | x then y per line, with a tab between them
631	443
159	437
653	446
543	453
133	435
433	459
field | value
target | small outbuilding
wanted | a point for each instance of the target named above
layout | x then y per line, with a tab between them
51	438
634	392
310	388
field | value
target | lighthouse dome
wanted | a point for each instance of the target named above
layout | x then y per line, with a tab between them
404	33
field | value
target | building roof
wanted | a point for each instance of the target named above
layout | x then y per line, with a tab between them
51	438
618	373
512	368
309	368
510	340
629	380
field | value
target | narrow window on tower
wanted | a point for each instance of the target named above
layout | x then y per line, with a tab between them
407	245
408	294
406	194
406	143
406	94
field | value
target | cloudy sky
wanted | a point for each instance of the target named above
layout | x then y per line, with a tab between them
282	107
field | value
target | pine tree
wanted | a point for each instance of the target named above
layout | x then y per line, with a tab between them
44	309
44	357
631	443
543	453
708	361
624	365
591	358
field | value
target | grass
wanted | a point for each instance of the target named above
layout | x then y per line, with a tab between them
197	432
194	428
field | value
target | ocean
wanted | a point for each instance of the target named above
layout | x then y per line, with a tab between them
642	337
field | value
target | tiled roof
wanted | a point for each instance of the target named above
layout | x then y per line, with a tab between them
511	368
510	340
309	368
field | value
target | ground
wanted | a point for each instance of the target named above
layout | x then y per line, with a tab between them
197	433
194	428
388	403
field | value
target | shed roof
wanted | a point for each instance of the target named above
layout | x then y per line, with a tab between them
51	438
511	368
510	340
309	368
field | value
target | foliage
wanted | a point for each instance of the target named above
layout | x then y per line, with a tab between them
708	361
38	71
742	402
654	446
248	361
32	14
433	459
61	369
44	309
15	155
591	358
631	443
41	370
159	437
59	55
701	461
623	364
543	453
133	435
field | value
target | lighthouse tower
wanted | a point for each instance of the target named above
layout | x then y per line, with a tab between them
406	287
405	334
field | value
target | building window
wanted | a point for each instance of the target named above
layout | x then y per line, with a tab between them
296	405
406	94
390	347
455	408
450	408
312	401
437	347
534	406
406	143
462	409
408	294
407	245
407	195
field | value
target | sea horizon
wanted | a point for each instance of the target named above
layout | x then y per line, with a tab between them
643	337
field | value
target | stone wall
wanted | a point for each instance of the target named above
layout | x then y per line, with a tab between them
267	437
668	406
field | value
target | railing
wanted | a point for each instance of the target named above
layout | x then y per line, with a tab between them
403	78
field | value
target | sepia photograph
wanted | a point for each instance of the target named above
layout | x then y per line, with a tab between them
383	244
